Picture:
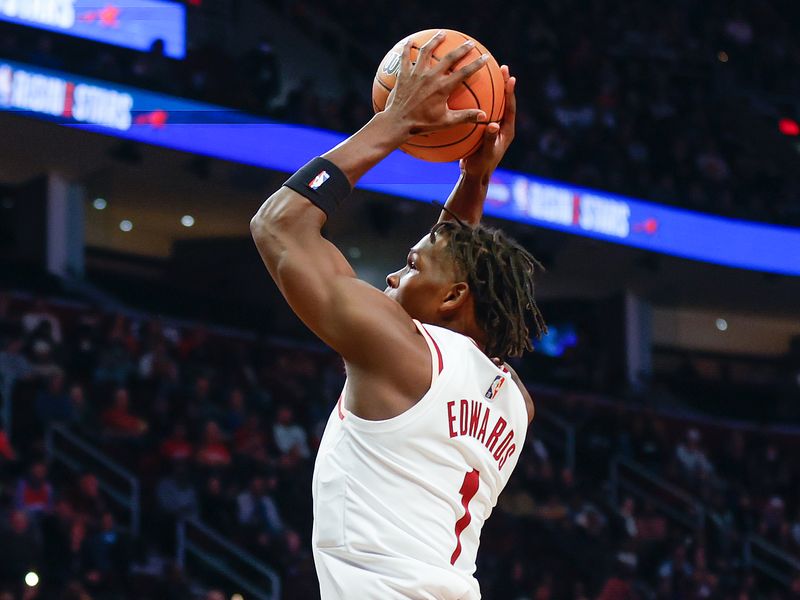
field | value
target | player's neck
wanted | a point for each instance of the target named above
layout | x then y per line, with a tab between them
469	328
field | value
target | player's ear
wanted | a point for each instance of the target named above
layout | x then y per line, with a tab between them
456	296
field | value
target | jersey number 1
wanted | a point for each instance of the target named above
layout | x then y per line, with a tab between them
469	487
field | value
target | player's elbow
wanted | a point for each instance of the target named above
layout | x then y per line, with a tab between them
280	214
269	220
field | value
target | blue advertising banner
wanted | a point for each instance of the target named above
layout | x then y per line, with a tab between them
133	24
232	135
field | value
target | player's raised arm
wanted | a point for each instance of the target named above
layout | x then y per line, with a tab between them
466	199
351	316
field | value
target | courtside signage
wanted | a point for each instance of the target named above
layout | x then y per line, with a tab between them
231	135
133	24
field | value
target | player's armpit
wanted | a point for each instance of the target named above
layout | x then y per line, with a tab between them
365	326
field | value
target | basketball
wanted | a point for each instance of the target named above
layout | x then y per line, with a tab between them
484	89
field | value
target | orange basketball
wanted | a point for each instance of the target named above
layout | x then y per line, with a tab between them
484	89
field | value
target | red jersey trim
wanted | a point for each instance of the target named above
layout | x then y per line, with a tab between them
436	346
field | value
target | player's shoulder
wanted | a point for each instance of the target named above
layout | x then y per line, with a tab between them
448	336
523	389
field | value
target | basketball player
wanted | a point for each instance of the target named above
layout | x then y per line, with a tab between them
431	422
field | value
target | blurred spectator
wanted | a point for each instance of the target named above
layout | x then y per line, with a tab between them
234	416
256	508
34	493
54	404
21	549
114	366
77	404
618	587
158	366
108	552
177	445
650	525
7	454
213	452
289	436
119	421
175	493
14	366
86	500
773	524
692	457
676	573
627	517
84	349
250	440
78	560
41	348
216	509
39	314
200	403
591	521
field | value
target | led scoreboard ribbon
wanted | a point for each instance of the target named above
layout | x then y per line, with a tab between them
133	24
232	135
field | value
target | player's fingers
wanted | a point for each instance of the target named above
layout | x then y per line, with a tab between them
426	51
489	139
468	115
504	72
405	57
455	55
465	72
510	113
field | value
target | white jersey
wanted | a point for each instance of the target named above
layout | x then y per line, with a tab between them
399	504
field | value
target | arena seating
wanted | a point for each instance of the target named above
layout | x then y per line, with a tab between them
222	426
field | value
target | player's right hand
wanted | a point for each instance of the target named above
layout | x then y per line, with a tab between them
419	98
497	137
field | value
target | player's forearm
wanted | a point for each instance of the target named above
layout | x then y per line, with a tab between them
368	146
466	199
288	211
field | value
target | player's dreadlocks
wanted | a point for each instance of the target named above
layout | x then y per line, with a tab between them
500	275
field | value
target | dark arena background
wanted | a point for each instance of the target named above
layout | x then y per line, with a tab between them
161	405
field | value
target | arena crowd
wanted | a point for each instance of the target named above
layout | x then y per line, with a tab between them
223	427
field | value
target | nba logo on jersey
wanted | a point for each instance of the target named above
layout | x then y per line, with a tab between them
495	387
321	178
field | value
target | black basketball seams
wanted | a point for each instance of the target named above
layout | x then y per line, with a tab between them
383	85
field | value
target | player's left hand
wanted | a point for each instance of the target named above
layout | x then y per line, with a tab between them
497	137
418	102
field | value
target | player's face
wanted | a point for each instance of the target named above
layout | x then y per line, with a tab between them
422	284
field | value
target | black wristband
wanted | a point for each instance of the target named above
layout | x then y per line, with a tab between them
322	182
